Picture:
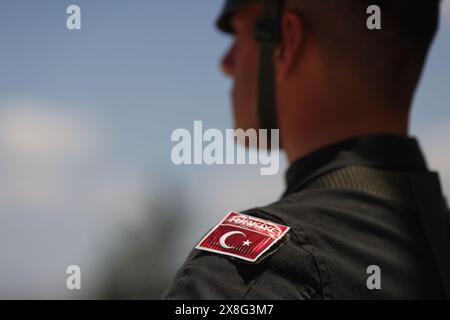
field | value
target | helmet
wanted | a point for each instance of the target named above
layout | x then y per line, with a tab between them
267	33
223	22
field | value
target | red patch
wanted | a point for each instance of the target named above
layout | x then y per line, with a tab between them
242	236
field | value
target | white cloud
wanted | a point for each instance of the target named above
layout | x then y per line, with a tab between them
57	159
437	150
63	194
43	148
48	133
445	12
446	7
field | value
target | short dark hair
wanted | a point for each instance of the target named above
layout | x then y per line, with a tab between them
392	57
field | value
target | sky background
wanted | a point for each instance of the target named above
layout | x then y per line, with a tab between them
85	123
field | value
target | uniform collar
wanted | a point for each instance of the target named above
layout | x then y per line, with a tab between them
381	151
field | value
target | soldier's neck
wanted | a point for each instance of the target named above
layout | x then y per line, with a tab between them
309	137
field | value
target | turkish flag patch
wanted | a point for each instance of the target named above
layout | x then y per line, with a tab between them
243	237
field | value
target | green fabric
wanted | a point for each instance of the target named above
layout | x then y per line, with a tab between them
418	192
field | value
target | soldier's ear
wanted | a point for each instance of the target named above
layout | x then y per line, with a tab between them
292	40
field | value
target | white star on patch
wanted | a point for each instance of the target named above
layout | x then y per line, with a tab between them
246	243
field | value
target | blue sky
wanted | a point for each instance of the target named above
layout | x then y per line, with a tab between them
86	118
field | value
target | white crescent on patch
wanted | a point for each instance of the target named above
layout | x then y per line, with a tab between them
225	237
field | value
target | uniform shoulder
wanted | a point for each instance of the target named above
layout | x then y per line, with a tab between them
308	212
249	255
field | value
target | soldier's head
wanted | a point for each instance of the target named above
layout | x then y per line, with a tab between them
330	68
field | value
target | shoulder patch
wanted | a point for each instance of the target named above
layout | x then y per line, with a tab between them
244	237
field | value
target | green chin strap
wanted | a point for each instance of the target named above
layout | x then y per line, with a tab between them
267	33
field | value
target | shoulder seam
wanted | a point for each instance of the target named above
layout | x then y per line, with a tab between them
296	235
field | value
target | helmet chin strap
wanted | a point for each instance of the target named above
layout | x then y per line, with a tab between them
267	33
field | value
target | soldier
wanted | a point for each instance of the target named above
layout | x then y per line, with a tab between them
362	216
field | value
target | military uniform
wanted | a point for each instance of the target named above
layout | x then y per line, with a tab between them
337	230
